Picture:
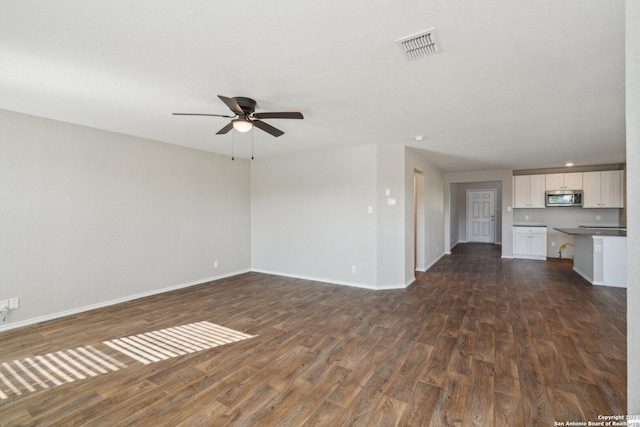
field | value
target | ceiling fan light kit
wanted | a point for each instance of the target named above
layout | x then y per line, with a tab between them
242	125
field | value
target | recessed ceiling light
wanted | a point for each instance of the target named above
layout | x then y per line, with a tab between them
568	164
418	138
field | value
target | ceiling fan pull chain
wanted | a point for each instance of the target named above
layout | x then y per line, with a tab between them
233	139
252	144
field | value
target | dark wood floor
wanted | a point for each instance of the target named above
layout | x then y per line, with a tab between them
477	340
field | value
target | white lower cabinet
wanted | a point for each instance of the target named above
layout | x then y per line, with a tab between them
530	242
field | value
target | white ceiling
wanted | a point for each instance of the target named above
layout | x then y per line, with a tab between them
518	83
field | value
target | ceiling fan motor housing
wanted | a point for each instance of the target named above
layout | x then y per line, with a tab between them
248	105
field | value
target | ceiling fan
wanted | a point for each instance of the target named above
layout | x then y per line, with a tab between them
243	108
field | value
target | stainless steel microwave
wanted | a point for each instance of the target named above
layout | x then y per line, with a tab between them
563	198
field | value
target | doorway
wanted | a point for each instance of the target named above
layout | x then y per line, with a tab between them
481	216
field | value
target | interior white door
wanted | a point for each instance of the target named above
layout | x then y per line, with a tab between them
481	215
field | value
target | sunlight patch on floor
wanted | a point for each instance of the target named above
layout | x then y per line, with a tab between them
172	342
40	372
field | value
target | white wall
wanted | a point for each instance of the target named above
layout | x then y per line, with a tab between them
632	39
309	215
310	220
504	176
89	217
433	197
390	226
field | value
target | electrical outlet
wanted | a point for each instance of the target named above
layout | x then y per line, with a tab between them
354	269
598	217
215	264
553	244
526	217
14	303
4	304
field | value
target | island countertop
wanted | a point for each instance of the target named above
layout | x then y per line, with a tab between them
593	231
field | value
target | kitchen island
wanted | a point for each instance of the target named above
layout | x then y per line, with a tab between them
600	255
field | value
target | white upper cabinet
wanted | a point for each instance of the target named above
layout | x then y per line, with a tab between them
603	189
528	191
563	181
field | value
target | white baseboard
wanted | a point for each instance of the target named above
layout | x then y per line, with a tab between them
584	275
433	262
422	270
337	282
507	256
115	301
609	285
531	257
315	279
396	286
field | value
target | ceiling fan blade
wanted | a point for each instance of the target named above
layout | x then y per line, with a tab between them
268	128
279	115
225	129
232	104
199	114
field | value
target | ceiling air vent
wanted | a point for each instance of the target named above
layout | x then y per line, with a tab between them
419	45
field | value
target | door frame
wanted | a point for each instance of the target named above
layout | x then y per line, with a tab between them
468	213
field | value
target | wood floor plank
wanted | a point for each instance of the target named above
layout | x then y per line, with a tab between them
388	412
478	410
438	361
449	410
420	405
326	415
535	401
476	340
208	412
462	354
506	377
508	411
593	401
299	413
613	388
553	369
566	406
412	368
348	390
485	343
